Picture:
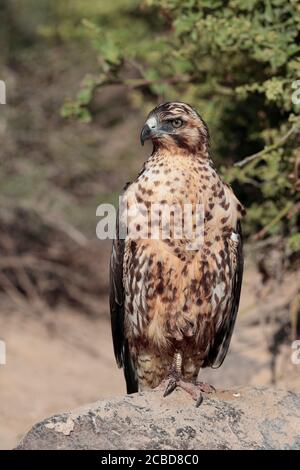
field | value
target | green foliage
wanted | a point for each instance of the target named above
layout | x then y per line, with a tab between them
294	242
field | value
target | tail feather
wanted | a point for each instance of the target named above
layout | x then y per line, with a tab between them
129	372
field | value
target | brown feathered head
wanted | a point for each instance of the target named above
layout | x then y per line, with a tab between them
176	126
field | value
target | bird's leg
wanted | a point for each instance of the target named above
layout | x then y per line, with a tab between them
175	374
175	380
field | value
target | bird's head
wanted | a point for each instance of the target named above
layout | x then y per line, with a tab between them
176	127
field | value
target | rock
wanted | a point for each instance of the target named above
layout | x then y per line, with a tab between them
256	418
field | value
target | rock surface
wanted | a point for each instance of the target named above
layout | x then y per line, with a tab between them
244	418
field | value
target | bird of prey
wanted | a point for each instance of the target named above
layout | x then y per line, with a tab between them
173	308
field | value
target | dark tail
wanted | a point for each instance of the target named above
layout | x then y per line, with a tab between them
129	372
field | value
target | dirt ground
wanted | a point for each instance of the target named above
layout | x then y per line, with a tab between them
64	359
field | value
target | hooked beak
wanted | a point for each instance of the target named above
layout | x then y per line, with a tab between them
145	134
149	130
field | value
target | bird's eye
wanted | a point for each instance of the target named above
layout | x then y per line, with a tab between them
177	123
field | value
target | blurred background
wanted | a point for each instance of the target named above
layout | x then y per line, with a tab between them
80	77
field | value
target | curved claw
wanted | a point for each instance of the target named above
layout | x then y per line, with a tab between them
170	387
199	400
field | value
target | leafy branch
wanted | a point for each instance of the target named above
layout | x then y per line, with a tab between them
294	129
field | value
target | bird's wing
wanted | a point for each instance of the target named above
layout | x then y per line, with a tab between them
223	336
116	300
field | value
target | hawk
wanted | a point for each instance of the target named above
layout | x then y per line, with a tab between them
173	308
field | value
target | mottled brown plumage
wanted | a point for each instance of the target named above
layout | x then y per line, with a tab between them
168	301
